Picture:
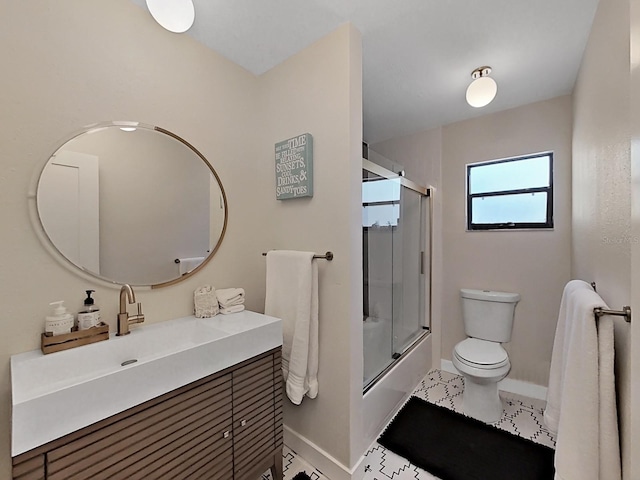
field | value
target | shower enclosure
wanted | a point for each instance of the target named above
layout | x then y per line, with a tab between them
396	264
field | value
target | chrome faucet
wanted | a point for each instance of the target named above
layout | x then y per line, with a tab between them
124	319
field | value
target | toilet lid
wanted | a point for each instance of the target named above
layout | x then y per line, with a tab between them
481	352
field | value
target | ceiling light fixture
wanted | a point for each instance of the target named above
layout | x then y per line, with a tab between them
177	16
483	89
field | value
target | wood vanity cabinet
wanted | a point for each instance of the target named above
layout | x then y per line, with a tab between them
226	426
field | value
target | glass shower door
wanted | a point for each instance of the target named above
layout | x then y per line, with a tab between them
380	212
408	264
394	263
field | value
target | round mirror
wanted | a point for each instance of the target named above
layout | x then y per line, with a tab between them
132	203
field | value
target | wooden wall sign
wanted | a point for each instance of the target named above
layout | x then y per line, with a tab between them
294	167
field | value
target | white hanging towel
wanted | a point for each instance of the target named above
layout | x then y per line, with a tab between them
189	263
292	295
581	400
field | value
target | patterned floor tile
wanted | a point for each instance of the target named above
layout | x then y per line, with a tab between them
447	377
522	416
292	464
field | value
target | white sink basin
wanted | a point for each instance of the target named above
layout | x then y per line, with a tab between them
56	394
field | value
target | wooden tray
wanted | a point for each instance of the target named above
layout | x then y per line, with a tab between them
77	338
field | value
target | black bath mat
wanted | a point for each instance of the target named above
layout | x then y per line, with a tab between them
302	476
456	447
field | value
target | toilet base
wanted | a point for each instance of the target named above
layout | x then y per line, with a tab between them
481	400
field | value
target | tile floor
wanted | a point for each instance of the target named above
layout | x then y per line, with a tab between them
522	416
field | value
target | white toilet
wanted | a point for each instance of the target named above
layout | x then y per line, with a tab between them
488	321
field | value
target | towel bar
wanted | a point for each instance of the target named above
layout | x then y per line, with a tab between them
599	311
326	256
625	312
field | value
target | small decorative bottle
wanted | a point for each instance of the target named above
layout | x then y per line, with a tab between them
89	316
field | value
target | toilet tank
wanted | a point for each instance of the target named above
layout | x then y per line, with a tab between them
488	315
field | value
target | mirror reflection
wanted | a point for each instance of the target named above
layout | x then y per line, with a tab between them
131	203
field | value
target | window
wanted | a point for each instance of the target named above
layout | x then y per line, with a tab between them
511	193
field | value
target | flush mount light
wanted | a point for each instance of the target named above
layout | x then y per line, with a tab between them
177	16
483	89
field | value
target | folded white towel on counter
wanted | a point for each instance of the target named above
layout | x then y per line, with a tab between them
228	297
231	309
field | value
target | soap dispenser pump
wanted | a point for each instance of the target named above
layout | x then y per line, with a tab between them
60	321
89	316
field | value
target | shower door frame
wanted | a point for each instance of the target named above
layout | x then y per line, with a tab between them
425	308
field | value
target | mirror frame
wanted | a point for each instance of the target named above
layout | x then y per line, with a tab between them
51	247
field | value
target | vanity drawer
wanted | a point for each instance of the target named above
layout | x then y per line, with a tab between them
257	415
27	467
146	438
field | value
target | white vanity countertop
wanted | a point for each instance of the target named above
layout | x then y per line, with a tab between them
59	393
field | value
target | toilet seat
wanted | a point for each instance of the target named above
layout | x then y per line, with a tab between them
481	354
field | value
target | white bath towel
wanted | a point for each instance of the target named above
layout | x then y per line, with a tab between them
610	463
228	297
581	403
188	264
559	354
292	295
231	309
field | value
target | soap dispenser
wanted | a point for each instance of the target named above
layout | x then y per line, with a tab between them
60	321
89	316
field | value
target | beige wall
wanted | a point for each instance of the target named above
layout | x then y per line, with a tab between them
294	100
71	63
632	423
535	264
602	236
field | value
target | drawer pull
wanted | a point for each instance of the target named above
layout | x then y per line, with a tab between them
243	423
226	434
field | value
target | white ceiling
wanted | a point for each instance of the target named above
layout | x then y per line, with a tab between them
417	54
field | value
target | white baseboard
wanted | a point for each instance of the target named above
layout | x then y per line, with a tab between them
317	457
518	387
